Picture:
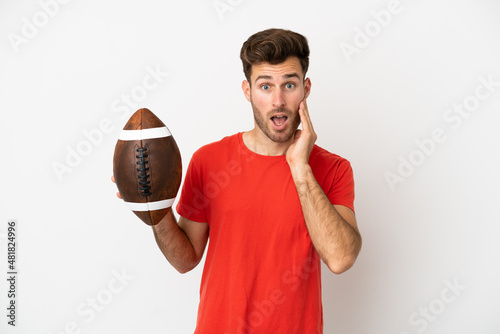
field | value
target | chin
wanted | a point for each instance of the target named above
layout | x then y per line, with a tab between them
281	137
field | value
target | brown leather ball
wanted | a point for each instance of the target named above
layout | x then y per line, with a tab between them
147	166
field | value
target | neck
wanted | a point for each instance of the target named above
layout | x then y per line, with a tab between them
259	143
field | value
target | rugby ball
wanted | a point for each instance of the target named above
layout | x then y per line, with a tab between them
147	166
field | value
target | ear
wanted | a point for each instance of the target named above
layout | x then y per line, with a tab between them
307	87
245	86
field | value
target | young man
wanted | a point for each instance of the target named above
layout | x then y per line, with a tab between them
272	202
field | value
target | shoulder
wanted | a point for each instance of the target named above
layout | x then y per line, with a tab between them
326	164
225	142
217	148
323	158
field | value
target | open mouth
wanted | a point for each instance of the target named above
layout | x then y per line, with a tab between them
279	120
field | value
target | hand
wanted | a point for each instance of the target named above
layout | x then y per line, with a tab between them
117	194
298	153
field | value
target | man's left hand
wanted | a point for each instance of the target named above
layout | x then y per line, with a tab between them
298	153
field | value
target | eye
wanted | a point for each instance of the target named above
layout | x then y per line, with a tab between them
290	85
264	87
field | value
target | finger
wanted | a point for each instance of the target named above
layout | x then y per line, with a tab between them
305	118
117	194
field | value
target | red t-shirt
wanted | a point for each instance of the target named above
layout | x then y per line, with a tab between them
262	273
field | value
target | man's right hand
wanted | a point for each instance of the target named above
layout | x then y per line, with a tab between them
183	243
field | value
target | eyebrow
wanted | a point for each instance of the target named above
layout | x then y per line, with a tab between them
286	76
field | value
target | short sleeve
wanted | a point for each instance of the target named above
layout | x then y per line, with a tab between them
192	203
341	191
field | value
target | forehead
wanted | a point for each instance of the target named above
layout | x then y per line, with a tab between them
279	71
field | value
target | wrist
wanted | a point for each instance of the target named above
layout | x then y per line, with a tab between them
301	173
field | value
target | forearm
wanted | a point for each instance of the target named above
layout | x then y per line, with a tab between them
174	244
336	241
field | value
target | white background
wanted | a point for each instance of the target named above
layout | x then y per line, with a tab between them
439	227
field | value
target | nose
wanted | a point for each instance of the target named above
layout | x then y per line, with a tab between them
278	99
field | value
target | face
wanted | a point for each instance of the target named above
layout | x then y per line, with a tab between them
275	93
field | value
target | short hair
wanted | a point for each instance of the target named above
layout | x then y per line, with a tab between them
274	46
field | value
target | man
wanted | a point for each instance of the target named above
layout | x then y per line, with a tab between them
272	203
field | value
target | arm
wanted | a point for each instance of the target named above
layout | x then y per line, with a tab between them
332	228
182	243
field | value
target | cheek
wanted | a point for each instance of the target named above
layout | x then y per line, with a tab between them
295	103
260	100
296	97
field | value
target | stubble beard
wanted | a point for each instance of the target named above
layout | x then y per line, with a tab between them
278	136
